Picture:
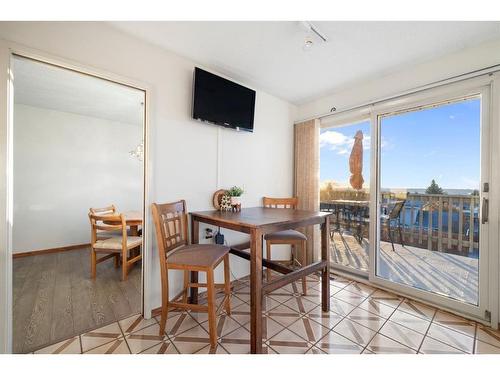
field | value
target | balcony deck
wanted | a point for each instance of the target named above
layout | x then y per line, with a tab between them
448	274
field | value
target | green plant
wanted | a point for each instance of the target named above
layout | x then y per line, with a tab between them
235	191
434	188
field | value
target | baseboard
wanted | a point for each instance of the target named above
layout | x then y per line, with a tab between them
50	251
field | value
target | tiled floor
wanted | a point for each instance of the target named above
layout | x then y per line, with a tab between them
362	320
447	274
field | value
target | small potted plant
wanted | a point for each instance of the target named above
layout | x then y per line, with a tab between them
235	193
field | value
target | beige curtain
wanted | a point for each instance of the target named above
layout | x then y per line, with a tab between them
306	186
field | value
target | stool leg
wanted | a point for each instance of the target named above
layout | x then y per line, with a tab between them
186	287
117	260
227	285
124	265
303	250
164	306
268	257
212	326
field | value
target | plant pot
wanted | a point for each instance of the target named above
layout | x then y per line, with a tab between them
235	200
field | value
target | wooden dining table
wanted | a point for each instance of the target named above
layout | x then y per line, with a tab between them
257	222
134	220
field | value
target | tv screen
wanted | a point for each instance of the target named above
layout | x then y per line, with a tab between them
222	102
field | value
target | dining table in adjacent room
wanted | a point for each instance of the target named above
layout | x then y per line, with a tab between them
133	220
258	221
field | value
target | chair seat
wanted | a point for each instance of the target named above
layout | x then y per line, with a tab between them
198	255
289	234
115	243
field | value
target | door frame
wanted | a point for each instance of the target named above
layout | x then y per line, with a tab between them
482	86
7	51
339	121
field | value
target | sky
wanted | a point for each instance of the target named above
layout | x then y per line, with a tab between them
441	143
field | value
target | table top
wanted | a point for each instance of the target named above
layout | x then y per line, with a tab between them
133	215
262	217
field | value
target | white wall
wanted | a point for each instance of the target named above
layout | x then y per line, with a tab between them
405	78
64	164
184	152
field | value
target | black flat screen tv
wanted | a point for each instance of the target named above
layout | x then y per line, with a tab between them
221	102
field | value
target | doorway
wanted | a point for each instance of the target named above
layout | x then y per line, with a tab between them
78	143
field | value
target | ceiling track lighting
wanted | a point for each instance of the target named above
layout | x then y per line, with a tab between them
309	26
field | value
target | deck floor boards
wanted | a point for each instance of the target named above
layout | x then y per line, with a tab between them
447	274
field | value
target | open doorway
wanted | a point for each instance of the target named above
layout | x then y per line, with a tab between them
78	144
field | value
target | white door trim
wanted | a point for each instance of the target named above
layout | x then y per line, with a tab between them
7	50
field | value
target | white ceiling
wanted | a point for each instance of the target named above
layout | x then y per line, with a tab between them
269	55
46	86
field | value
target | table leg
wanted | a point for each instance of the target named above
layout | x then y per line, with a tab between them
325	256
195	238
134	231
255	291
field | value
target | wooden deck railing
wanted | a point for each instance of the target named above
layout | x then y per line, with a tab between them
442	222
439	222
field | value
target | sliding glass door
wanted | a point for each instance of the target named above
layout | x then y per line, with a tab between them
407	182
345	191
432	184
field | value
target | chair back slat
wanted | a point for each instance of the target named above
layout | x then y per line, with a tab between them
171	226
396	210
109	210
107	223
280	202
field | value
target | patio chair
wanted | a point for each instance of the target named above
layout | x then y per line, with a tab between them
393	222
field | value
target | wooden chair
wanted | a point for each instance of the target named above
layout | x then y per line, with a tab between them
114	246
176	253
287	237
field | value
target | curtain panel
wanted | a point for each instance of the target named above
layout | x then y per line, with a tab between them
306	178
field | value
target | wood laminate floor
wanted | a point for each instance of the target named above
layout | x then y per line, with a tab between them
54	297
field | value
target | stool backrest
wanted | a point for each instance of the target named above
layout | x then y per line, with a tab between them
280	202
171	226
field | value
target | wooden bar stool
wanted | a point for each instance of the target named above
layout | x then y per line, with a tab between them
286	237
176	253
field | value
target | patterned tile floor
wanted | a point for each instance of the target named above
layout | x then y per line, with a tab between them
362	320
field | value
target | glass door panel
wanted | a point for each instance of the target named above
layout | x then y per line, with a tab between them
345	191
430	194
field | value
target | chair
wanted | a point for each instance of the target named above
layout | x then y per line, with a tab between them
393	221
287	237
112	210
175	253
114	246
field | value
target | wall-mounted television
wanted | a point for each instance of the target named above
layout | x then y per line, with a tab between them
219	101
